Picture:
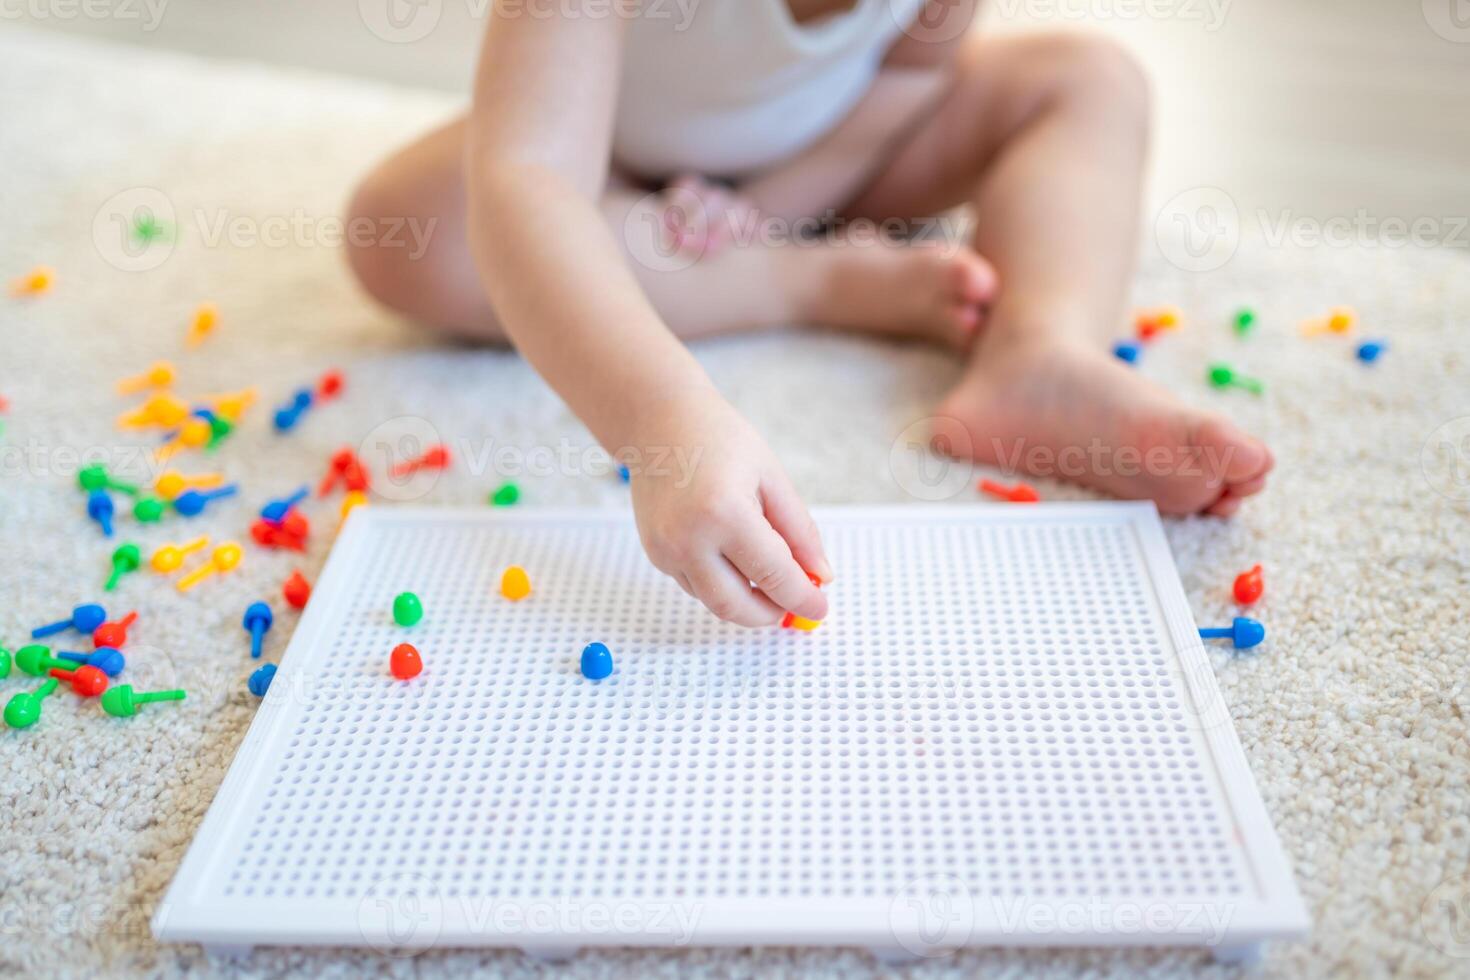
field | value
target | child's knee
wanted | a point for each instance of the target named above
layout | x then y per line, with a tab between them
406	247
381	271
1107	74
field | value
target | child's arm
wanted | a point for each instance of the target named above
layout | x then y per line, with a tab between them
536	162
914	77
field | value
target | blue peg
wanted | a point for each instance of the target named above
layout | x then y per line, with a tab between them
1370	351
275	512
1244	633
257	623
84	619
625	474
260	679
109	660
1128	351
597	661
191	503
289	414
100	509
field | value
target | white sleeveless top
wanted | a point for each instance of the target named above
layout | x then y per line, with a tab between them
741	86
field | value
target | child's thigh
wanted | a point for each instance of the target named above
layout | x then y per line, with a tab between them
431	275
1001	86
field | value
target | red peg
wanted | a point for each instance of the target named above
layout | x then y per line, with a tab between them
330	385
86	680
404	662
435	458
1021	493
790	620
1249	586
295	523
340	461
113	634
269	535
355	478
296	590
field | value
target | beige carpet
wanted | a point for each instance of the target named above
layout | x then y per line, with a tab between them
1353	715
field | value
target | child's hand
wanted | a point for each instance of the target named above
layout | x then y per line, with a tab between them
728	517
701	217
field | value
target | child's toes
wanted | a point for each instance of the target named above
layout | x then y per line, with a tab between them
974	278
1247	489
1226	506
1232	457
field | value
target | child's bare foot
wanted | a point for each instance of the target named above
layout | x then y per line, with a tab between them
1058	408
934	291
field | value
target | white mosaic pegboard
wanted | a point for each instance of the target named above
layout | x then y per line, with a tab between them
1006	733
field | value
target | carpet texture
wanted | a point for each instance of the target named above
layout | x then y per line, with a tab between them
1353	715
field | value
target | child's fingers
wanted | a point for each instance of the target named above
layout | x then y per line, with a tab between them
765	559
728	594
788	515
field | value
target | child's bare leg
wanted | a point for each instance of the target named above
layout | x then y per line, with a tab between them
1046	136
923	291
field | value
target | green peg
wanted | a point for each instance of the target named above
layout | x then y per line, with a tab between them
4	663
24	710
96	477
121	702
219	428
507	494
407	609
148	229
149	510
1244	321
125	559
1224	376
36	659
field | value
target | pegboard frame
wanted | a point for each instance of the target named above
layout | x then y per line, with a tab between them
191	912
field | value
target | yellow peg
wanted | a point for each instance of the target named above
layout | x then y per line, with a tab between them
515	584
195	433
231	405
160	374
224	558
161	410
170	557
171	483
39	280
206	318
1339	320
353	500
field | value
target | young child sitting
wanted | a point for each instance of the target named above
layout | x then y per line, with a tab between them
592	209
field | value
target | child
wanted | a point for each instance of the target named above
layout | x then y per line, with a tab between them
856	109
